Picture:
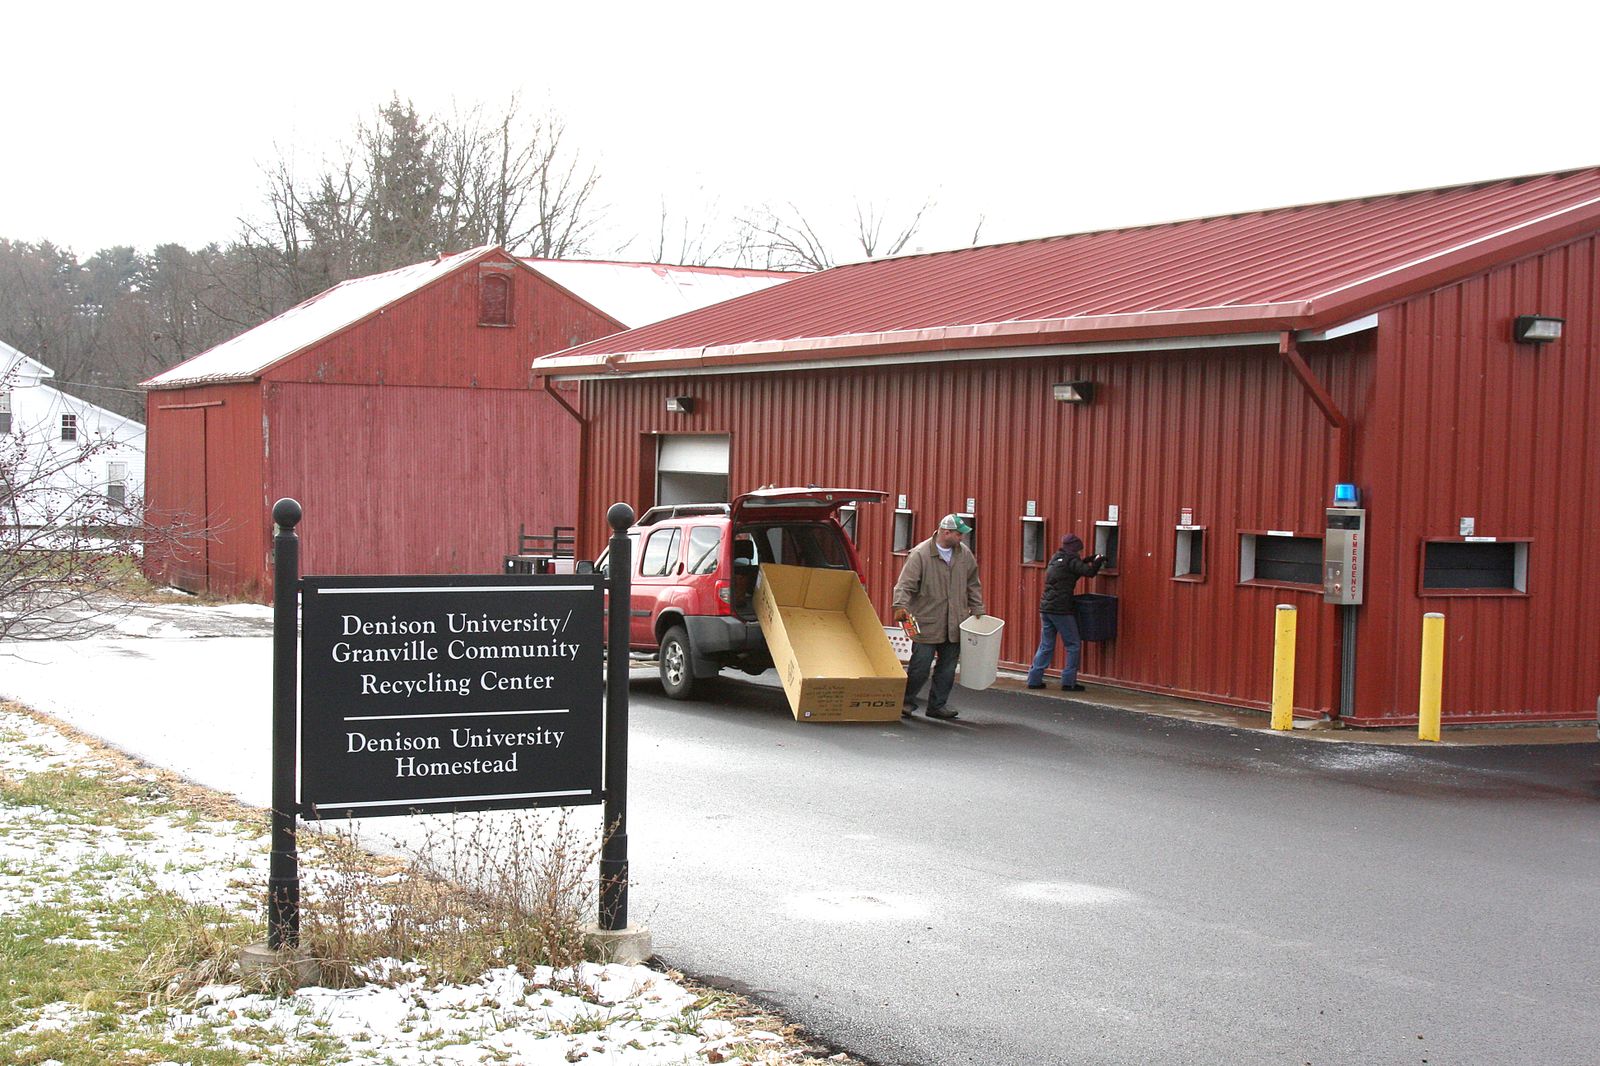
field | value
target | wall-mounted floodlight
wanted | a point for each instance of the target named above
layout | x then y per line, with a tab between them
680	405
1073	391
1537	329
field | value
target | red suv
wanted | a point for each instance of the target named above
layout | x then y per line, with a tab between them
695	568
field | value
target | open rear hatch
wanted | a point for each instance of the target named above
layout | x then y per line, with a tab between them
798	504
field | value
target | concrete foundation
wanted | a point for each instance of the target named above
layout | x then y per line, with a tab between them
286	966
630	945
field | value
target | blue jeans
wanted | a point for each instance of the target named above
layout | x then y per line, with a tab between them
1067	626
944	674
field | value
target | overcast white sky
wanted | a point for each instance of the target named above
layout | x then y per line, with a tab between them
142	123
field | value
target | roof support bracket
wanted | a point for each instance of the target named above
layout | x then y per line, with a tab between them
549	387
1289	352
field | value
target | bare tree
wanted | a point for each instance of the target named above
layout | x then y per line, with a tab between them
564	189
789	239
786	239
693	241
977	231
870	220
413	187
512	181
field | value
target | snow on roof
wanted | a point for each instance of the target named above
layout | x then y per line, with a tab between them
20	371
637	294
253	351
634	294
107	423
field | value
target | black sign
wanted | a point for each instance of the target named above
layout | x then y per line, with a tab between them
426	694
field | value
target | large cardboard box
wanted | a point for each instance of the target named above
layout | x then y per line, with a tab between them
828	645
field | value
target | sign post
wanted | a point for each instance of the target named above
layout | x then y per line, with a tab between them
614	849
283	872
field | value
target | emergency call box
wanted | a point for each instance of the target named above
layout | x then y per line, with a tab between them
1344	555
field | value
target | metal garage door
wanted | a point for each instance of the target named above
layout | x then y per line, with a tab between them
692	468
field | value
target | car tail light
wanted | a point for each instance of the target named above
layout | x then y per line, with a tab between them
724	597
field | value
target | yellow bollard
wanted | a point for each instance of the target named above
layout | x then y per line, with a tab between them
1432	676
1283	669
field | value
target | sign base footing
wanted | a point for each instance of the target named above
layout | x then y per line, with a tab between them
285	966
630	945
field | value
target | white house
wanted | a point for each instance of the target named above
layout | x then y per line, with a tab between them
62	460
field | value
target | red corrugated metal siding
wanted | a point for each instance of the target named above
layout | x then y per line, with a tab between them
1325	253
419	480
1227	432
432	338
203	463
1468	424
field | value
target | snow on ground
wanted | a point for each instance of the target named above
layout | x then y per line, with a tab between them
186	687
615	1014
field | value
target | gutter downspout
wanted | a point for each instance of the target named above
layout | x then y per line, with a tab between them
583	460
1346	645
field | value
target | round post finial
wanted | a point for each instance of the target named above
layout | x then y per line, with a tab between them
287	513
620	515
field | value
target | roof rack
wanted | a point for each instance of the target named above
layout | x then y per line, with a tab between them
681	510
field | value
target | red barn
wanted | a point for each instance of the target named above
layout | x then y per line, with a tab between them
1188	395
397	409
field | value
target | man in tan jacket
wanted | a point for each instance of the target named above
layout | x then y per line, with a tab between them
938	587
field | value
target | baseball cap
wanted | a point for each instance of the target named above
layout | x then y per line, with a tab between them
952	521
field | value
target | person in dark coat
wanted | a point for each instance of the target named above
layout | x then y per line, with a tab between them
1066	566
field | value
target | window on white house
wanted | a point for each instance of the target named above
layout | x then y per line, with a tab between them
69	427
5	413
117	483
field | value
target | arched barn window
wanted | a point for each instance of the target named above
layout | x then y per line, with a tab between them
494	298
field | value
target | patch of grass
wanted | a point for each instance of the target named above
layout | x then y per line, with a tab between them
154	946
77	796
181	946
127	580
688	1023
589	1021
745	1050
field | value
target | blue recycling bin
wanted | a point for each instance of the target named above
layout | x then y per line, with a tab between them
1097	616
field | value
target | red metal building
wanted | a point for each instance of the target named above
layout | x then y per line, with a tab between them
397	409
1237	368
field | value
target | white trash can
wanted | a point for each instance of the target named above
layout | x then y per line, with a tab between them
980	650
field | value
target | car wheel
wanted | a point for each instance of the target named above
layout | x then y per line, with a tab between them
677	667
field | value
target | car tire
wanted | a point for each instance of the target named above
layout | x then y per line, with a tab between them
677	664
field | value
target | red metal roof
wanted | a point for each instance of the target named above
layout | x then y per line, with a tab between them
1308	267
